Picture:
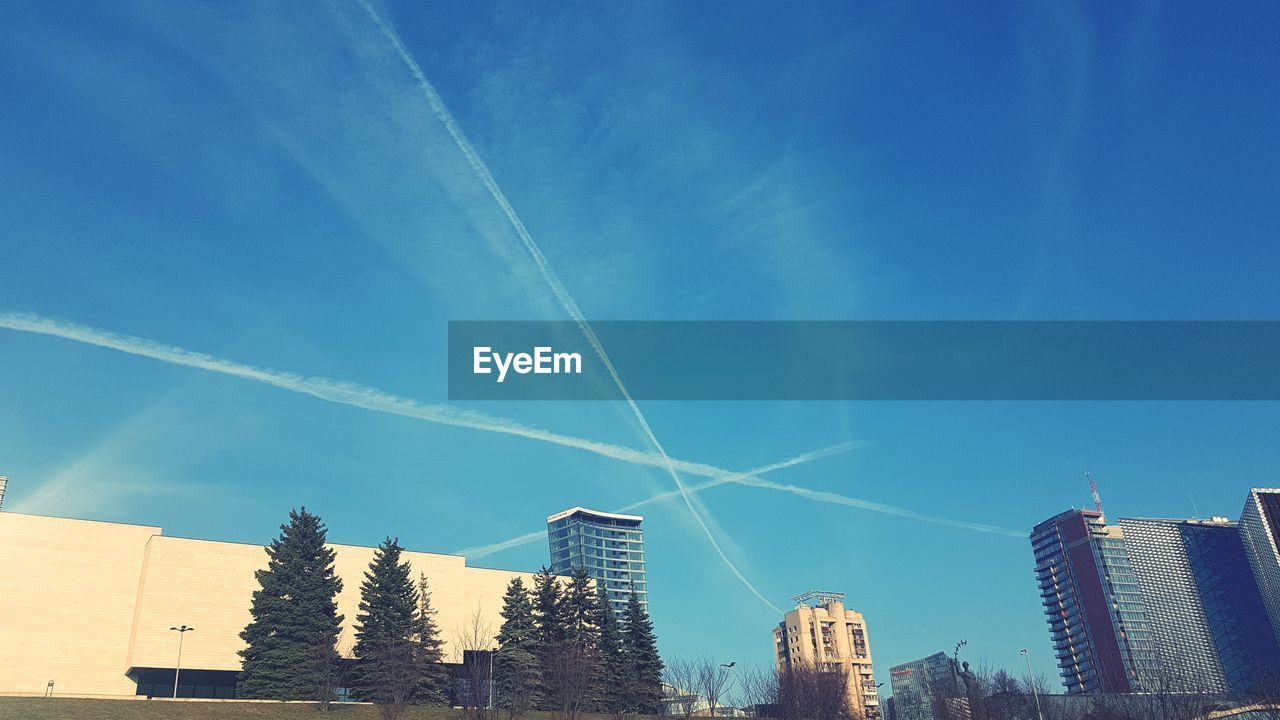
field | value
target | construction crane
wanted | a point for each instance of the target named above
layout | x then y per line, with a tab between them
1093	488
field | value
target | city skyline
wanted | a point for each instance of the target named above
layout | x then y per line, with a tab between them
233	240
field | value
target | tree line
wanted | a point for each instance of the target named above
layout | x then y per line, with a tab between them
560	648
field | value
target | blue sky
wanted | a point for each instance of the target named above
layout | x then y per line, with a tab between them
270	185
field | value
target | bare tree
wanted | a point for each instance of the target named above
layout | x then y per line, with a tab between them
811	692
758	689
474	685
1265	696
571	668
681	678
712	681
331	672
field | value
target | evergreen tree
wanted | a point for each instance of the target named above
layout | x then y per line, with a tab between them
548	623
385	670
295	622
644	666
427	651
611	680
516	668
573	669
548	633
578	613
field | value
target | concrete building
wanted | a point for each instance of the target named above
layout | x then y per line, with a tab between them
4	483
88	605
609	545
922	687
821	634
1093	604
1260	532
1202	604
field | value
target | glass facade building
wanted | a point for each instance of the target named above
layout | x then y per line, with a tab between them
1093	604
609	545
1206	615
1260	532
922	687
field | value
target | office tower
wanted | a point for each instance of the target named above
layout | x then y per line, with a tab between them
4	482
921	688
1093	604
1260	531
820	634
610	546
1203	607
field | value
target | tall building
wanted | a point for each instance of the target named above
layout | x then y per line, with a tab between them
1093	604
821	634
1202	604
4	482
922	687
1260	531
609	545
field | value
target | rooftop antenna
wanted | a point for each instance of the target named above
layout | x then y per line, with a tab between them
1093	488
1195	511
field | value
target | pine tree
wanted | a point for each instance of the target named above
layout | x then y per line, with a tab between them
644	666
548	633
516	668
574	666
578	611
292	636
385	669
428	651
548	623
611	679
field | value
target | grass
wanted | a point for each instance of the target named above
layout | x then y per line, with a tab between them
79	709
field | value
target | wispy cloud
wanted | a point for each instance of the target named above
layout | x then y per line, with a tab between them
102	481
557	287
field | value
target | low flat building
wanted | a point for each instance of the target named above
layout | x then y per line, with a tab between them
821	634
88	606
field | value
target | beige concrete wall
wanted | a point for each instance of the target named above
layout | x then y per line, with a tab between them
67	591
82	602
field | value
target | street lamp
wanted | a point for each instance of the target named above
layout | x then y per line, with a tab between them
1031	681
182	632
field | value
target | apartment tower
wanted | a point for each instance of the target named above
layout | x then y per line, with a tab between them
609	545
1093	604
821	634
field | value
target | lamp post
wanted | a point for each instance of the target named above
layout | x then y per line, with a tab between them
1031	681
177	670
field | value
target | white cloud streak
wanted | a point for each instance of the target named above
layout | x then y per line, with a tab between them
553	280
369	398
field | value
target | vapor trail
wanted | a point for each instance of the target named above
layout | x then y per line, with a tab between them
837	499
553	280
479	551
369	398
